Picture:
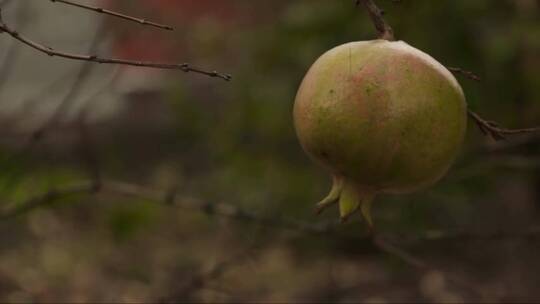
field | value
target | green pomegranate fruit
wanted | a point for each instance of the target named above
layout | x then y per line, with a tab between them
382	117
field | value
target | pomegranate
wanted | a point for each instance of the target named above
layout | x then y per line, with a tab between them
382	117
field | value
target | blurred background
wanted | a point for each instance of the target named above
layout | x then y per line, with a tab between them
474	236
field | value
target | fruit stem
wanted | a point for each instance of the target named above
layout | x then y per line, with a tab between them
376	14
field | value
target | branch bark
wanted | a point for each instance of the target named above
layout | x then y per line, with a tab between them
168	198
493	130
466	73
48	198
376	14
115	14
489	128
185	67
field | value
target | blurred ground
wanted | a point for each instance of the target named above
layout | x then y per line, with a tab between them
233	142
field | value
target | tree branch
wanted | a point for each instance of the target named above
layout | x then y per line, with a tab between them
489	128
465	73
184	292
48	198
13	53
73	93
75	89
185	67
389	248
115	14
376	14
493	130
169	198
218	209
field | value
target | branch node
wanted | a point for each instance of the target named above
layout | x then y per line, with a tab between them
492	129
83	57
114	14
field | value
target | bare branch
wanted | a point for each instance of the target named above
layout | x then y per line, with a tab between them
115	14
226	210
434	235
166	198
75	90
88	151
392	249
185	67
72	94
48	198
86	188
493	130
490	128
8	63
386	32
13	53
466	73
219	209
376	14
201	280
389	248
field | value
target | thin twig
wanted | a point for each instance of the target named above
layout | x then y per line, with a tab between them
165	197
386	32
72	94
493	130
185	67
489	128
13	53
465	73
76	88
48	198
434	235
106	87
88	150
28	104
8	63
376	14
392	249
201	280
116	14
218	209
501	146
389	248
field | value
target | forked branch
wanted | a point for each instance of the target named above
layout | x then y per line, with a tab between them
489	128
185	67
493	130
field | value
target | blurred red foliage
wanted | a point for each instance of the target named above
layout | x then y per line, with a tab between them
136	43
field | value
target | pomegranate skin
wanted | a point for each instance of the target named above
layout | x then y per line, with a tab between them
381	116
